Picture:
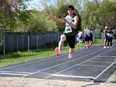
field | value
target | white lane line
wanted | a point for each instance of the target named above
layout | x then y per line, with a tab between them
76	65
105	69
93	65
73	76
26	63
13	74
93	61
108	56
62	63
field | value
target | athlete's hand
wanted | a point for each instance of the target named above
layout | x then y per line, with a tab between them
63	20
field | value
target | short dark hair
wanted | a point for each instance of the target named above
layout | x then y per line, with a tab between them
71	7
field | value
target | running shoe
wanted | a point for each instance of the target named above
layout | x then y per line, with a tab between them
70	56
57	51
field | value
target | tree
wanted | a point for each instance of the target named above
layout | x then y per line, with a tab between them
11	11
98	13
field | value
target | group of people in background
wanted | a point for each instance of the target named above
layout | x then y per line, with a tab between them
108	35
86	36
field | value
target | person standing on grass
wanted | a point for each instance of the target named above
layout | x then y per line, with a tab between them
87	34
71	22
91	38
79	38
109	36
105	37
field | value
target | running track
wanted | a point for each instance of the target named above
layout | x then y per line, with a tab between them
94	63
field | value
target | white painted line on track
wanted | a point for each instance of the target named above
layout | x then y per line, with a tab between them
62	63
26	63
105	69
93	65
72	76
100	61
75	65
13	74
108	56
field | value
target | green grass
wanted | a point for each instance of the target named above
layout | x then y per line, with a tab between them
33	54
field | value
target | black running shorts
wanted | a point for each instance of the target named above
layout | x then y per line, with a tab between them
71	41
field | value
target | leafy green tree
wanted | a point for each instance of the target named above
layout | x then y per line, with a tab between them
98	13
39	22
11	11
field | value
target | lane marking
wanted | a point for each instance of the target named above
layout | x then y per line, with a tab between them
42	59
100	61
105	69
25	63
73	76
93	65
108	56
75	65
12	74
62	63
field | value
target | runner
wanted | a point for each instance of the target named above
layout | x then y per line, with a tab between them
71	25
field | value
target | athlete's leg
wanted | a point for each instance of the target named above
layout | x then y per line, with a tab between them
110	42
61	42
71	50
105	44
71	42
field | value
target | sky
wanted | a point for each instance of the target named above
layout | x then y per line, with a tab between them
37	4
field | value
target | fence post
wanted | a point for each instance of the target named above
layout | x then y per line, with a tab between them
4	51
12	42
37	41
17	44
28	42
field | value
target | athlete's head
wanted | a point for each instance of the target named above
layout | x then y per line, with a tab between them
70	10
70	7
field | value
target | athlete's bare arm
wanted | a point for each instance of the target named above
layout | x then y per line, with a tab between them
62	20
75	23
